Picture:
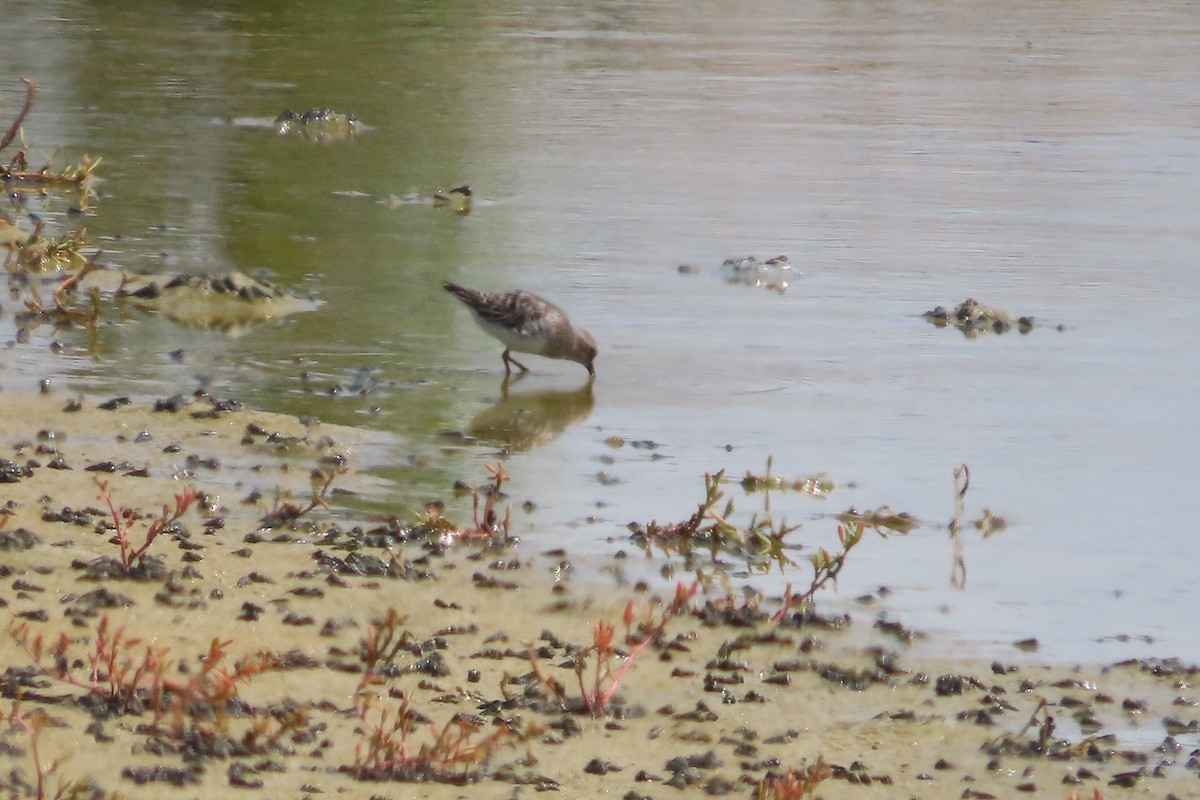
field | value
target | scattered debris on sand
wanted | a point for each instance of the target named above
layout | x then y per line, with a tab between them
173	600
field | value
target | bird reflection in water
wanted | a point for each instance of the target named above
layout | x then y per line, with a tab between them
524	420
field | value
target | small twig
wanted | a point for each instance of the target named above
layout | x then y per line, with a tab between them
606	681
958	570
30	92
168	517
70	283
826	567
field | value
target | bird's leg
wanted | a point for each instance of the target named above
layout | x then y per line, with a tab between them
508	359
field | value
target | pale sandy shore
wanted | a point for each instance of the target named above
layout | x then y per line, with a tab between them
710	709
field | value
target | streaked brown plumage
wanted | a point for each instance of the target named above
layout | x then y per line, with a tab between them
526	323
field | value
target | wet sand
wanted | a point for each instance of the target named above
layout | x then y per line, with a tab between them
735	696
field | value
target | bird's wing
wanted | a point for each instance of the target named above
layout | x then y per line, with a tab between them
521	312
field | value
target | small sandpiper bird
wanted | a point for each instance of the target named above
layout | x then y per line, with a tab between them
526	323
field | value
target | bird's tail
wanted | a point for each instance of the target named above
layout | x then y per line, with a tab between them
469	296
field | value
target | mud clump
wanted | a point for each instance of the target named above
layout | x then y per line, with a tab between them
973	318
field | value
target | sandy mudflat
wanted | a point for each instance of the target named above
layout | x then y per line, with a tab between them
735	701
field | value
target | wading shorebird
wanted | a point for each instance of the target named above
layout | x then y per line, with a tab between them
526	323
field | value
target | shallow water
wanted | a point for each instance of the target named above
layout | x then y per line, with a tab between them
1044	159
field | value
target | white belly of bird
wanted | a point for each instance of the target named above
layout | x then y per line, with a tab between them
514	340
